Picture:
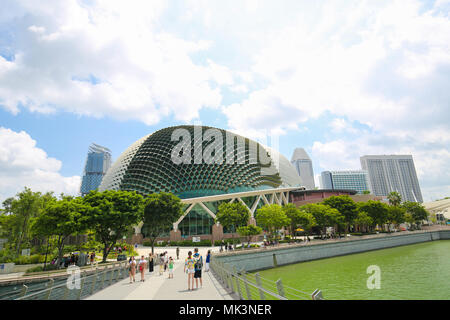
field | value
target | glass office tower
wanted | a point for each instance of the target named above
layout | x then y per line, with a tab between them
346	180
97	164
389	173
303	164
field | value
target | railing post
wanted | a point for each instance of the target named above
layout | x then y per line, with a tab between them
125	270
49	287
118	271
238	286
259	284
111	277
24	290
66	293
81	287
229	279
103	277
280	288
247	288
94	281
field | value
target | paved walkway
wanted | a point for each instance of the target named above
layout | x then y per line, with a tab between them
158	287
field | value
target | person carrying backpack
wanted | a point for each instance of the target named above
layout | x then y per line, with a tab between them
198	265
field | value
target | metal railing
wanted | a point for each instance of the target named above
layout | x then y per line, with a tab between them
251	286
83	287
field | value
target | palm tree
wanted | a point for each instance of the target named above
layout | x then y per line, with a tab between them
395	199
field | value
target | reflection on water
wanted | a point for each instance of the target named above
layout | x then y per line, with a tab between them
419	271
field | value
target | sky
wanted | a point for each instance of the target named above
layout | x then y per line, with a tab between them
341	79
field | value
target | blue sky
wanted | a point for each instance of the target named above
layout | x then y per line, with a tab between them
339	78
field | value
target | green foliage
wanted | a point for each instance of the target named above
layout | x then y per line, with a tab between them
232	215
110	214
160	212
366	192
249	231
298	218
395	199
324	215
272	218
416	210
363	220
396	215
22	210
48	267
61	218
377	210
345	205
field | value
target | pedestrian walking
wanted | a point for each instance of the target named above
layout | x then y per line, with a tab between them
142	265
166	261
150	262
198	265
132	269
178	253
189	269
208	259
161	264
170	268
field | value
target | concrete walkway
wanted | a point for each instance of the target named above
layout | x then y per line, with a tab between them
158	287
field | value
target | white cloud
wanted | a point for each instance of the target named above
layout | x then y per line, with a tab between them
385	64
141	72
22	164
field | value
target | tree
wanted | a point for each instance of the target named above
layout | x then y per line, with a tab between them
417	211
324	216
272	218
232	215
249	231
161	210
61	218
298	218
346	206
110	214
363	221
395	199
396	215
25	207
377	210
366	192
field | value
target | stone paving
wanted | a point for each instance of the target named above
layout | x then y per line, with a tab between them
158	287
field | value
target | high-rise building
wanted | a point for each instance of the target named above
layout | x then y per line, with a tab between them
389	173
303	164
97	164
357	180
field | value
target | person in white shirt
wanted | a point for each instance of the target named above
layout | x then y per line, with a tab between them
142	264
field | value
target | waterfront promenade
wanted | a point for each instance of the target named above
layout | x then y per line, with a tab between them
158	287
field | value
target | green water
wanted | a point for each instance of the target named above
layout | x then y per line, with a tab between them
419	271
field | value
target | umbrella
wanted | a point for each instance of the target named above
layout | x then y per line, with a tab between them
299	229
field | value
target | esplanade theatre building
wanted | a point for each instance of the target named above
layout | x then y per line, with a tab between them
205	167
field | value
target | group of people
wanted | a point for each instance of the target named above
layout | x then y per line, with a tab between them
193	266
133	266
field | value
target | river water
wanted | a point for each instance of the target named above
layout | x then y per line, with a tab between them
419	271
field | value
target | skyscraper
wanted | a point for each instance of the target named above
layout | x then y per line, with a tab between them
389	173
97	164
303	164
346	180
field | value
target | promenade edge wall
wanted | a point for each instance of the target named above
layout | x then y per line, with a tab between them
264	259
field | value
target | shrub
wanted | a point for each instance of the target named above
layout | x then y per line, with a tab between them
35	269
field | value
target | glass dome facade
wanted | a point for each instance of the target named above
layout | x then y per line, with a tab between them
148	165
